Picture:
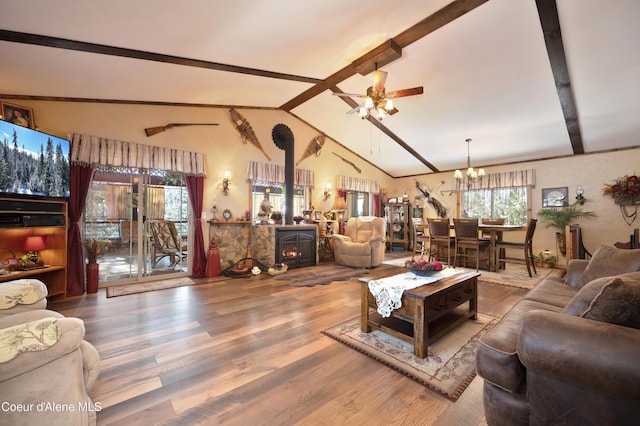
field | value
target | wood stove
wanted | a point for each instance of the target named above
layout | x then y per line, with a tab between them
295	247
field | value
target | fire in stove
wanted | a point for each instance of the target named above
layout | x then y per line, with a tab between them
291	252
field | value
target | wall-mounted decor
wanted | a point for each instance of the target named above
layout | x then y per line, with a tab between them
555	197
427	193
246	131
313	148
625	192
17	114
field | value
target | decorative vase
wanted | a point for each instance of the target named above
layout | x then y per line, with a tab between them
92	276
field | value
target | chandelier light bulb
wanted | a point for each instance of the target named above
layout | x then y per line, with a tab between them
388	105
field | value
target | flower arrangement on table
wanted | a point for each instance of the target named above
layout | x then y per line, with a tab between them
94	247
247	215
625	190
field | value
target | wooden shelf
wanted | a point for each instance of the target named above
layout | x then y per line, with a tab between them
23	217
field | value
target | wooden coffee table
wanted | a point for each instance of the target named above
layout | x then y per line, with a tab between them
427	313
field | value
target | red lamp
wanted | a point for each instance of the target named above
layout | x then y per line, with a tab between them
34	244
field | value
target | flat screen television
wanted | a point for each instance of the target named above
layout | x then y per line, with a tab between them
32	162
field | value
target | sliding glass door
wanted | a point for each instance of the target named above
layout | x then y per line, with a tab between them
143	216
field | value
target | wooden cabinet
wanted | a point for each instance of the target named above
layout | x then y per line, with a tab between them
397	217
23	217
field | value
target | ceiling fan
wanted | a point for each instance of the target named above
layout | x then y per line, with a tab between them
377	102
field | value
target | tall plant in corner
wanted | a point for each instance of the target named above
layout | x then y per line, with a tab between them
561	217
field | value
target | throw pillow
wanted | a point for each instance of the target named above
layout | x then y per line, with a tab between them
614	300
608	261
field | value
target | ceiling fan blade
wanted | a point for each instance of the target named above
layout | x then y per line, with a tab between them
379	78
354	109
393	111
350	95
406	92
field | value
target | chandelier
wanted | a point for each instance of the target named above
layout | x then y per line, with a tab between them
472	176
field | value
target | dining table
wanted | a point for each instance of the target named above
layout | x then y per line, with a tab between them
494	231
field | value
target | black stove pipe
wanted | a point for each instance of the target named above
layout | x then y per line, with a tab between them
283	138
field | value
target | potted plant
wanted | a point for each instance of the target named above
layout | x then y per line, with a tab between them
93	248
561	217
546	260
276	217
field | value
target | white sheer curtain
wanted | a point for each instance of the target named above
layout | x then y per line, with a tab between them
93	151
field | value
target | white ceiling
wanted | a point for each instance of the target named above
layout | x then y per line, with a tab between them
486	75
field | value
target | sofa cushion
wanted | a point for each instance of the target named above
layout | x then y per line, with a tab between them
614	300
496	357
552	291
608	261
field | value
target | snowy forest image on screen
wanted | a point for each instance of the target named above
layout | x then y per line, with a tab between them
33	162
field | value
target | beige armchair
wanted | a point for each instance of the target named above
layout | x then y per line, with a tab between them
46	363
363	244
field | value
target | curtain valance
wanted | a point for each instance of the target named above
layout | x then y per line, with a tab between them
93	150
273	174
347	183
501	180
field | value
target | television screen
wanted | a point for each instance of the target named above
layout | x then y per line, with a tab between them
33	162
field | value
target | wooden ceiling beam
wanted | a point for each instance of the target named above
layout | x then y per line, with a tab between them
102	49
386	50
550	22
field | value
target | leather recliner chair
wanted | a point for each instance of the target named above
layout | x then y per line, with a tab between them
363	242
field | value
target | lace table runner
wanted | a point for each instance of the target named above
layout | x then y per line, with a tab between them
388	291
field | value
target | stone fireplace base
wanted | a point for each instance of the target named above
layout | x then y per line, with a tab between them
233	238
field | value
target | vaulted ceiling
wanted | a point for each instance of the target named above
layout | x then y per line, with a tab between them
524	79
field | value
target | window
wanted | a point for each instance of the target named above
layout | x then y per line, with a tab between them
510	203
357	204
275	194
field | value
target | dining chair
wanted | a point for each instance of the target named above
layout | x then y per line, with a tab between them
439	237
467	238
420	237
527	247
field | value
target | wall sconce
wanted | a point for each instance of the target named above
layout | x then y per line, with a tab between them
226	182
327	192
32	245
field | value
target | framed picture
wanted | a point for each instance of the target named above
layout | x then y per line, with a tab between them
17	114
555	197
318	214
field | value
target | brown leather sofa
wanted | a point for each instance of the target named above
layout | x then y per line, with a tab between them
569	352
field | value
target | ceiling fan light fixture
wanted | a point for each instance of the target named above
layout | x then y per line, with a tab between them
388	106
363	113
368	103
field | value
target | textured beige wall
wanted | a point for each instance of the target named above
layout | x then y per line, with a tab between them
591	171
224	150
221	144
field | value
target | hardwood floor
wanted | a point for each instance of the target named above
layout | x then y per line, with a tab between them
250	351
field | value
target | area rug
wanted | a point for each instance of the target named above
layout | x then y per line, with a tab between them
326	274
143	287
449	366
513	275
